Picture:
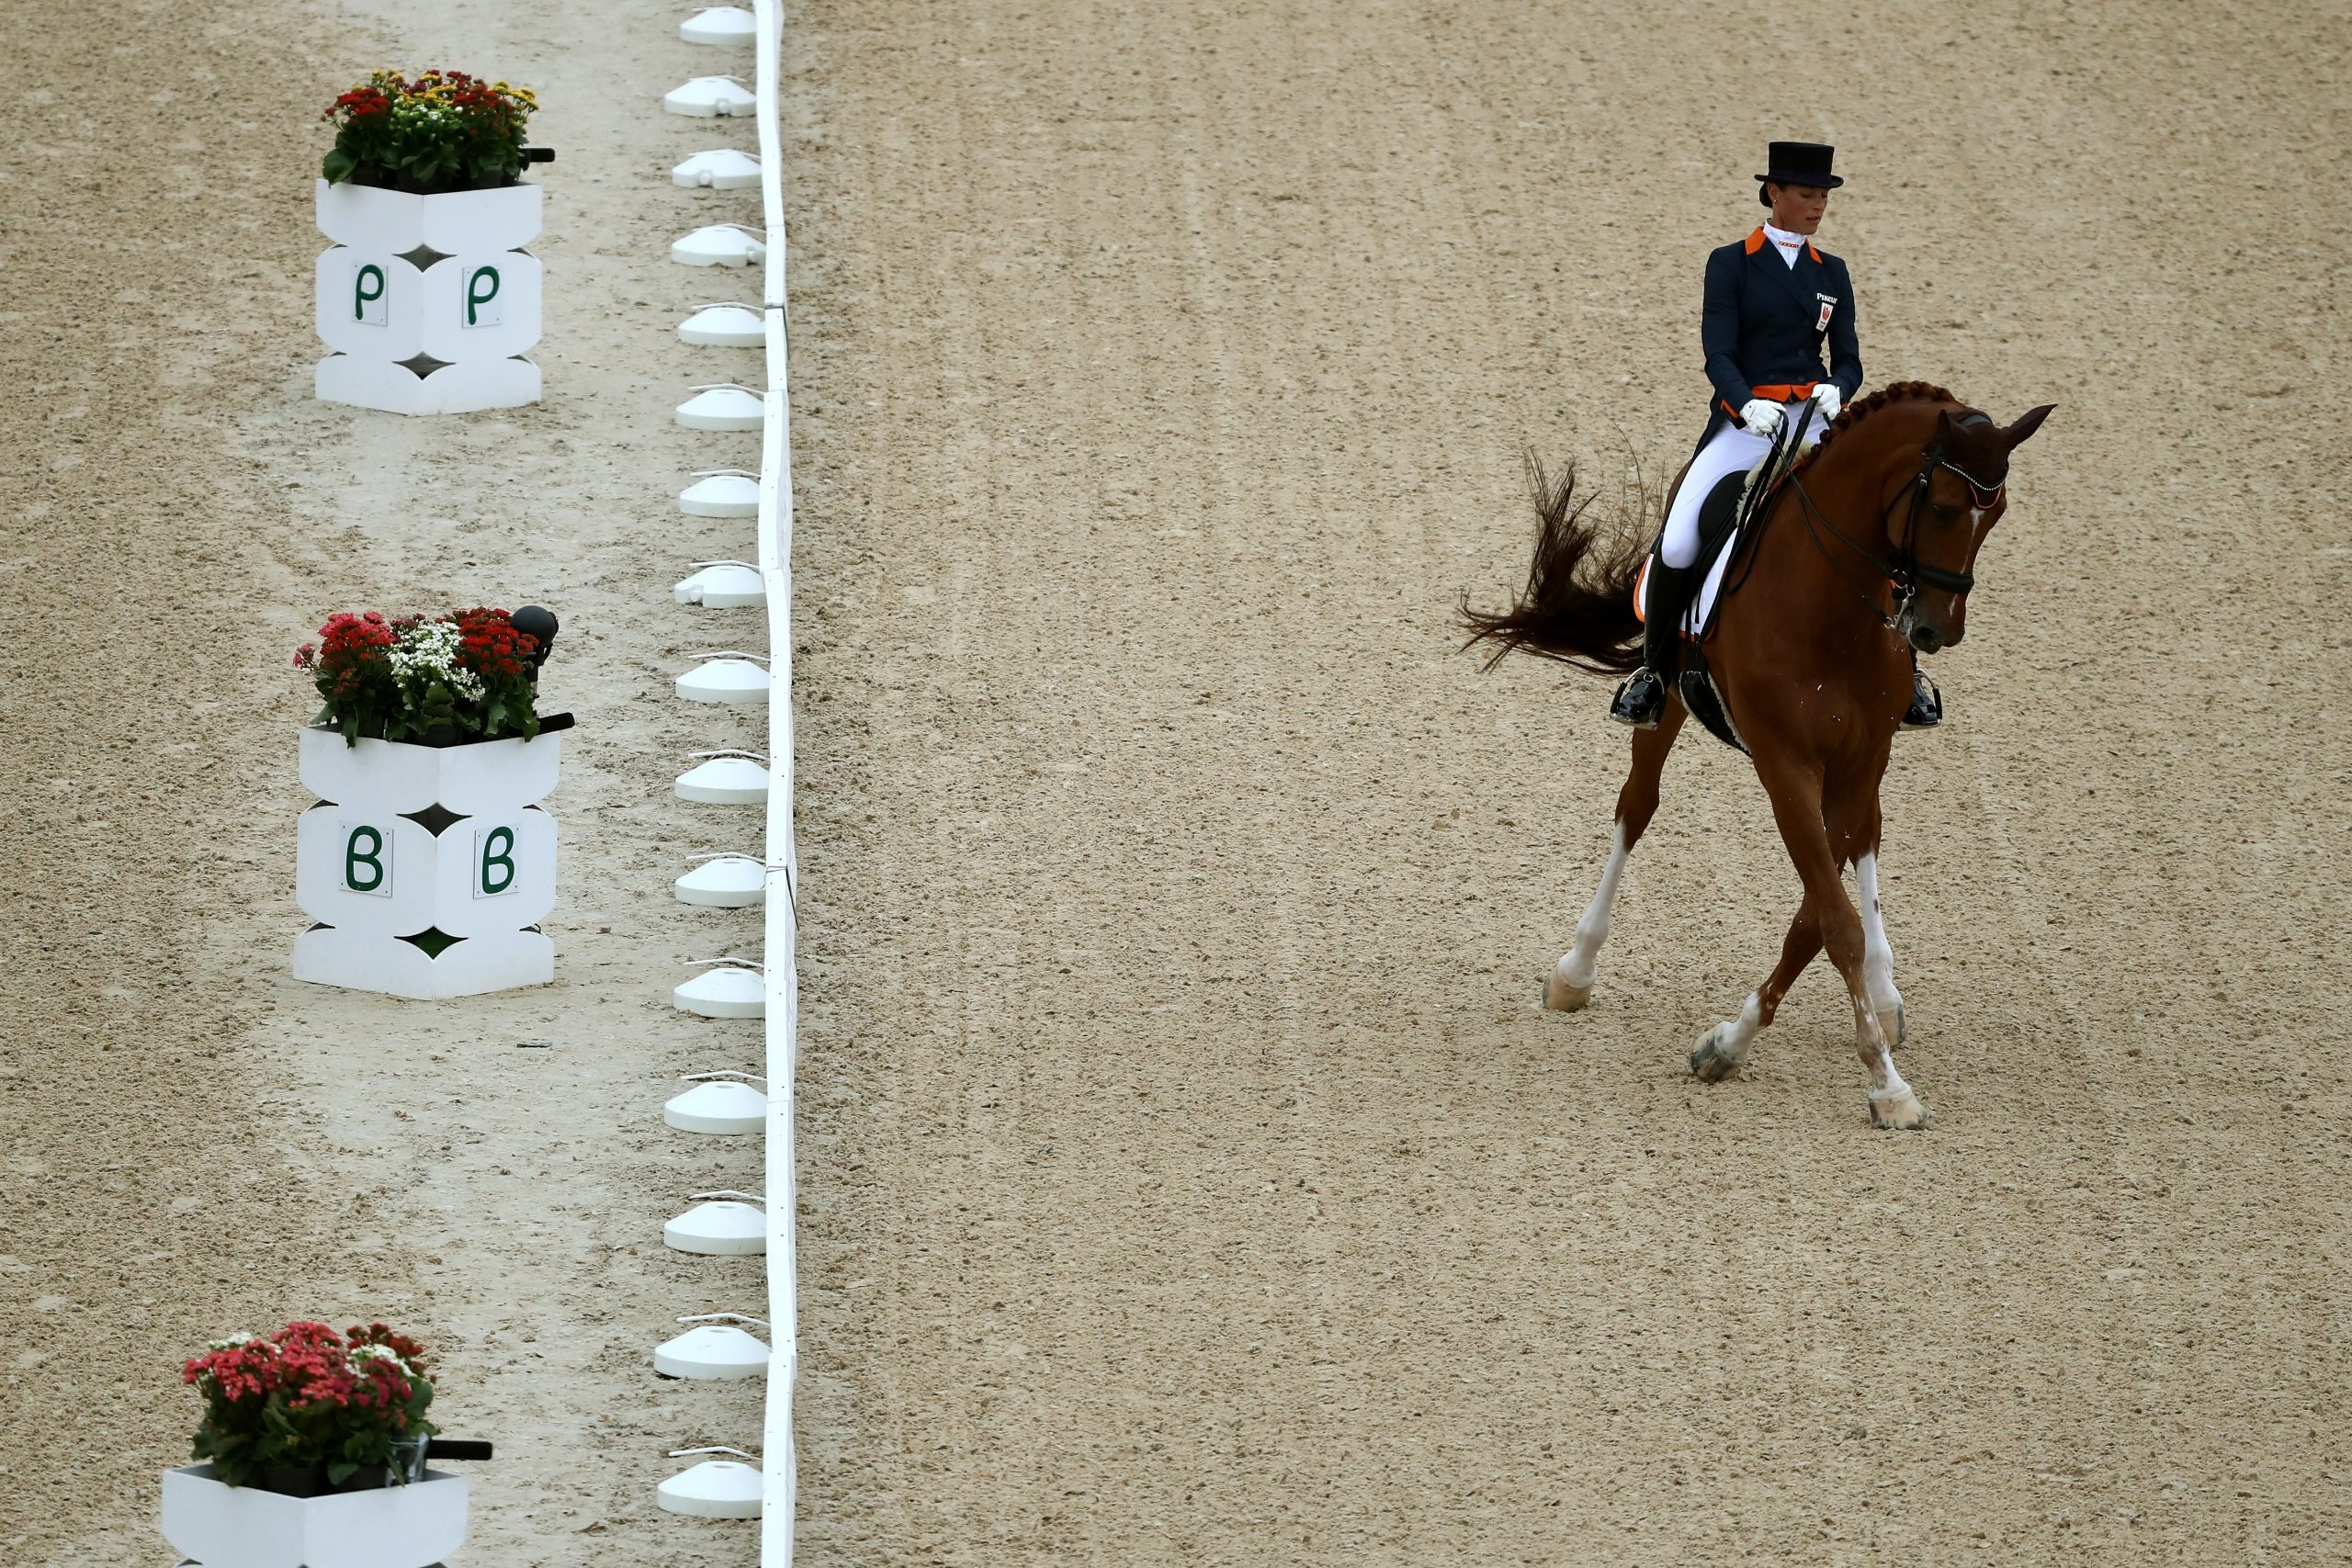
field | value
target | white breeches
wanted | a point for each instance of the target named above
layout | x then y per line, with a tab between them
1731	450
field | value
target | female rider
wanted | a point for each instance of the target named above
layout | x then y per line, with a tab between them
1772	301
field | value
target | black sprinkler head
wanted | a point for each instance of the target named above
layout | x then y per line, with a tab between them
538	621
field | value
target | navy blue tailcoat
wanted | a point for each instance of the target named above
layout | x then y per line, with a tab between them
1765	322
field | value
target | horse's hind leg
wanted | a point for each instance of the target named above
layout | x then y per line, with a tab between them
1569	987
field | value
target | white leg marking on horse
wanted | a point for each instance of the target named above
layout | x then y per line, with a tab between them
1893	1101
1878	957
1734	1035
1895	1084
1570	987
1576	965
1721	1049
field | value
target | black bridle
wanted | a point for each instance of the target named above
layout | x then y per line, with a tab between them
1904	569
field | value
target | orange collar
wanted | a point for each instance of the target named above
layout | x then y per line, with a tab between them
1756	244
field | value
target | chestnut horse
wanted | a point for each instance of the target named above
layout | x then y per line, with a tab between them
1869	545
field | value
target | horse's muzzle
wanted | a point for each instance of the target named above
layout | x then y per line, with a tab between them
1927	639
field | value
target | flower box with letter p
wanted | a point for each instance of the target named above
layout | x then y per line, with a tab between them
218	1525
427	299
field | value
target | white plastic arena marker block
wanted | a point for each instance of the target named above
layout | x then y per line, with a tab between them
242	1527
719	1104
728	778
358	962
720	25
457	224
723	585
721	244
721	492
482	305
428	868
724	882
369	303
729	677
730	1225
723	405
704	96
428	303
730	323
721	168
450	388
715	1489
379	876
716	1349
395	777
725	991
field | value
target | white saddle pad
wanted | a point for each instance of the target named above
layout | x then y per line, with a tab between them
1703	603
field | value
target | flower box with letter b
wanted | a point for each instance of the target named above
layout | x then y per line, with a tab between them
219	1525
312	1454
428	863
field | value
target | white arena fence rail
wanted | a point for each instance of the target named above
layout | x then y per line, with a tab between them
778	1459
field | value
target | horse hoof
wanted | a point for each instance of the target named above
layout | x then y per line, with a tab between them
1902	1112
1561	997
1891	1025
1708	1062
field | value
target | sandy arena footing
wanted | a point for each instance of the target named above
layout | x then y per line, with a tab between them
1189	1174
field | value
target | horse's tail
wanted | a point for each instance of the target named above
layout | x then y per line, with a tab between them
1577	607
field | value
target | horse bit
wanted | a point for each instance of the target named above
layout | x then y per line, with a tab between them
1904	569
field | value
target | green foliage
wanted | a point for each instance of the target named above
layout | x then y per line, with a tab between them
438	681
444	131
308	1397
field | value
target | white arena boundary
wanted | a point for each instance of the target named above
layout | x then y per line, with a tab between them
779	955
778	1459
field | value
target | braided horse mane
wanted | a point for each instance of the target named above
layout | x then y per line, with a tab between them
1861	409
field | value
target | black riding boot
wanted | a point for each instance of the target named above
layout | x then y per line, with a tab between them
1641	700
1927	709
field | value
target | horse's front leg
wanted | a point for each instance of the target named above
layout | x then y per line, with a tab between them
1878	956
1569	986
1723	1048
1797	808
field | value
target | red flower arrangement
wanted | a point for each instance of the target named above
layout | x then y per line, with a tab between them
286	1407
444	131
436	680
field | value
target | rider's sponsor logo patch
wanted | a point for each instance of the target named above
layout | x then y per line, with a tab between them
1828	303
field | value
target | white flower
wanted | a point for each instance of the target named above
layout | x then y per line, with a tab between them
428	654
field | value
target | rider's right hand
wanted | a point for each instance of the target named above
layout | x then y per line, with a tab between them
1762	417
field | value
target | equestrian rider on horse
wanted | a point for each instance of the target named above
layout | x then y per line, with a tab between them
1772	301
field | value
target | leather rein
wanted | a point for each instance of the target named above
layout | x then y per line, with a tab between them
1903	570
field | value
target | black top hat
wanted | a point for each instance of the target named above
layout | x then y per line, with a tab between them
1802	163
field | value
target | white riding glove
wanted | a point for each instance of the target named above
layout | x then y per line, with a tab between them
1827	400
1762	417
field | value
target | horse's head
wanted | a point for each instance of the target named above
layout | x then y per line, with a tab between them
1938	523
